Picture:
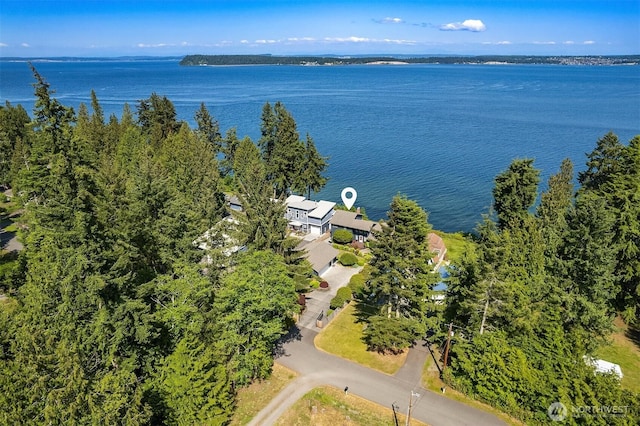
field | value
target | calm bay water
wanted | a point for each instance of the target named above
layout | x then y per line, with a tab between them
436	133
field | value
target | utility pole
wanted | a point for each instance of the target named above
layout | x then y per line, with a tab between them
413	394
446	349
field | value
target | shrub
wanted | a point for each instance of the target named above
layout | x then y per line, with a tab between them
342	236
348	259
356	284
314	283
342	296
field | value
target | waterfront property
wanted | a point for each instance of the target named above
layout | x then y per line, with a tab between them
361	229
308	216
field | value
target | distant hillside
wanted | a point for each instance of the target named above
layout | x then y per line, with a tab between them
198	60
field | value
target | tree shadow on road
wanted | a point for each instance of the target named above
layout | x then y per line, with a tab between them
292	335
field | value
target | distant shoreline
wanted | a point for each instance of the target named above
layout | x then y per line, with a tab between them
249	60
227	60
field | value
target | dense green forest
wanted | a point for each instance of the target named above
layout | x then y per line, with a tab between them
196	60
112	317
542	288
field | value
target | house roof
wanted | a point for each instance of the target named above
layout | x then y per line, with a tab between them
346	219
436	243
233	199
306	205
322	209
294	199
320	254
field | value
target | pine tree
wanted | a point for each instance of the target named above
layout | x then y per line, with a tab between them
554	207
514	192
401	277
209	129
312	167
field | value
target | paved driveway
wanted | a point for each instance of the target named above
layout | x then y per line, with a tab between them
318	300
317	368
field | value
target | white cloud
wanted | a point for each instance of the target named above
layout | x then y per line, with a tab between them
4	45
24	44
497	43
295	39
545	43
266	41
474	25
154	46
391	41
568	42
389	20
244	41
589	42
348	39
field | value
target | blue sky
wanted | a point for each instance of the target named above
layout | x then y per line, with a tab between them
159	28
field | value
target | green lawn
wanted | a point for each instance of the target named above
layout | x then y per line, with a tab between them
624	350
457	244
343	337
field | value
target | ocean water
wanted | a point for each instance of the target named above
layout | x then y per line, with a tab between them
438	134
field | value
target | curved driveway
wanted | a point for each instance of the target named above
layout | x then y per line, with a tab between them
317	368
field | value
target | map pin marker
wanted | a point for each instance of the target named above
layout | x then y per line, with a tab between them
349	201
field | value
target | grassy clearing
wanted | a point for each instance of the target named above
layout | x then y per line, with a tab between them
457	244
431	380
624	350
328	406
252	399
343	337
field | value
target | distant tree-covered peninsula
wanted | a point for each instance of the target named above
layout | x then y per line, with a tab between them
199	60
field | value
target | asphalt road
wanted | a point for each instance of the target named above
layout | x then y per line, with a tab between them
316	368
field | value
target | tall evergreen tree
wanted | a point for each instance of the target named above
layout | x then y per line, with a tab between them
13	128
554	207
157	116
282	149
401	277
313	165
515	192
209	128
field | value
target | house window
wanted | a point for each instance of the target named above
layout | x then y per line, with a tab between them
297	213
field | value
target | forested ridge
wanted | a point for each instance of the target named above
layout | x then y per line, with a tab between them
113	317
196	60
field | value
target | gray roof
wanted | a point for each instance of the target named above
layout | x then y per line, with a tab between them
346	219
320	254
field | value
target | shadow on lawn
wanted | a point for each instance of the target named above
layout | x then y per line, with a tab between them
633	334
